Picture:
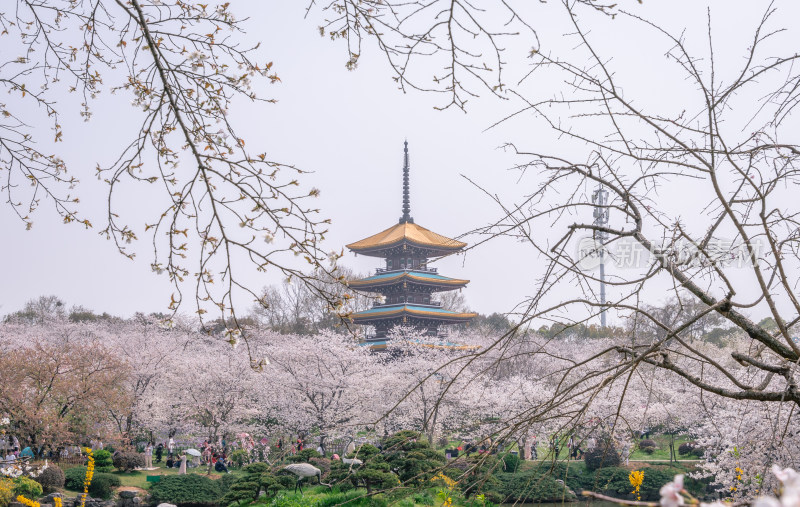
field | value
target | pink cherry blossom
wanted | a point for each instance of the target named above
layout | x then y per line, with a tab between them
671	493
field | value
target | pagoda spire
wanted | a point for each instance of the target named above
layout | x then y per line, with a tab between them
406	218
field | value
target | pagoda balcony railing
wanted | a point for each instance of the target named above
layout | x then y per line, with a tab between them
431	305
418	268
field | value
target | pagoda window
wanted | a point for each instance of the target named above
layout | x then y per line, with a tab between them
402	263
389	264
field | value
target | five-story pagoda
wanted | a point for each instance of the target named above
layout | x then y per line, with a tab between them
406	282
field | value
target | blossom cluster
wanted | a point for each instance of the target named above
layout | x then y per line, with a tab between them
674	495
15	470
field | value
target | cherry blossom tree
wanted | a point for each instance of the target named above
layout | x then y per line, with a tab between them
151	349
325	383
60	382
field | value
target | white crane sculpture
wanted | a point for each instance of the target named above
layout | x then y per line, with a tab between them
302	471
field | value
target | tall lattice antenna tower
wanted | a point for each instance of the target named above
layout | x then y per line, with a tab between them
600	200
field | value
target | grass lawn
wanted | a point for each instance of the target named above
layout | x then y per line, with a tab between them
662	451
138	479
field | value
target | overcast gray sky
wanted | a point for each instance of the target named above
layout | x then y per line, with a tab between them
348	128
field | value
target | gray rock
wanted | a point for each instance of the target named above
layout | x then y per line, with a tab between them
127	494
166	505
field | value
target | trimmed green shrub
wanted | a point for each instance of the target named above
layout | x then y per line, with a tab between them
271	485
476	475
691	449
73	478
533	487
286	481
257	468
99	488
375	473
408	453
242	491
102	484
574	473
102	461
225	482
27	487
324	464
648	446
51	478
127	461
600	457
613	481
510	463
190	490
303	456
247	487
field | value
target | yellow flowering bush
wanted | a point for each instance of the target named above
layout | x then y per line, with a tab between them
89	474
636	479
57	502
6	494
444	493
739	473
30	503
444	496
450	483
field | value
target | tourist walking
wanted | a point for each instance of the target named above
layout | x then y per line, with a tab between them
159	452
182	469
626	453
148	456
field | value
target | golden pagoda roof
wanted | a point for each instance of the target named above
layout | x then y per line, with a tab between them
407	232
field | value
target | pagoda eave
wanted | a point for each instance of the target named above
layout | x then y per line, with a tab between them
404	247
382	344
432	283
413	311
413	287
